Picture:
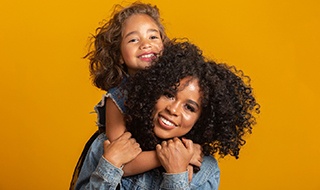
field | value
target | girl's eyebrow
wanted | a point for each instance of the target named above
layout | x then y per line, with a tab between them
134	32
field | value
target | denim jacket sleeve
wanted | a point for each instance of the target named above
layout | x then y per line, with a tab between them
208	178
175	181
106	176
97	172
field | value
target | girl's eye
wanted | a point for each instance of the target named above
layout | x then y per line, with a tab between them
154	37
190	108
132	40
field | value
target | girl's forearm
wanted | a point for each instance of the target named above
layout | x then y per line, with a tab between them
145	161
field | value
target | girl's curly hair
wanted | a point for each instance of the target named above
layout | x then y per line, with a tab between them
228	104
104	52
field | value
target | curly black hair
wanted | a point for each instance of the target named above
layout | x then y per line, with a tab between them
228	103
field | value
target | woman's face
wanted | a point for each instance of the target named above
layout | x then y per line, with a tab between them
141	42
175	114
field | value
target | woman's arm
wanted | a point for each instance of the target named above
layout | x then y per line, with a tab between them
174	156
115	127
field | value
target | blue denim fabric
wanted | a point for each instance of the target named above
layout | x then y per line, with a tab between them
98	173
118	95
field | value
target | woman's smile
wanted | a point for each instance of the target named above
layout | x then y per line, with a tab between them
165	123
176	112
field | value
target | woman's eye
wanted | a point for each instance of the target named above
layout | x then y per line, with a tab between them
190	108
168	95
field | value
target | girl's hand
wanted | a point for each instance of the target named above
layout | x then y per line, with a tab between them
122	150
174	155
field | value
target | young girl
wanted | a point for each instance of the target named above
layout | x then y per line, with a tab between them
128	42
211	104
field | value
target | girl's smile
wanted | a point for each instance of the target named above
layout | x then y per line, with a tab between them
141	42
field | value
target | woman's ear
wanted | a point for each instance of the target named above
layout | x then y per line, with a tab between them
121	60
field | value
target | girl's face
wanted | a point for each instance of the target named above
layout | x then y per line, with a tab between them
141	42
175	114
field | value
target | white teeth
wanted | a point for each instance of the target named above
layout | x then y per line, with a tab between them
166	122
147	56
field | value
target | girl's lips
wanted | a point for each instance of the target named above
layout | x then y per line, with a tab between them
147	56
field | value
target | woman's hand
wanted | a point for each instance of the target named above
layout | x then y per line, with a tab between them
175	155
197	157
190	172
122	150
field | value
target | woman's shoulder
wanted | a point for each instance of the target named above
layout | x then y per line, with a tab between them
209	171
209	161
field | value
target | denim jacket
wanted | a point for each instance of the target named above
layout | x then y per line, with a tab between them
118	95
98	173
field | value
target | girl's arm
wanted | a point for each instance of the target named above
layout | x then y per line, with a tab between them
115	127
146	160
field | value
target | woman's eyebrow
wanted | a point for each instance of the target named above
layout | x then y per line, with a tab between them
193	103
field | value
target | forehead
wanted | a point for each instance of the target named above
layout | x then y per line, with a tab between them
190	87
138	20
190	83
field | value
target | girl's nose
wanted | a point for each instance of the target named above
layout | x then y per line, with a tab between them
145	44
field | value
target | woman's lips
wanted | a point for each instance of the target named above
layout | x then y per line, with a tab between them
165	123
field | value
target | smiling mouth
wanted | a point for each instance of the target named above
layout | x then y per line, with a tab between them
148	56
166	122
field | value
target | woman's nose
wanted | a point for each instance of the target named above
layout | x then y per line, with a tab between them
173	109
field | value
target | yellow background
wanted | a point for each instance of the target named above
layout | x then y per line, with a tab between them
46	95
